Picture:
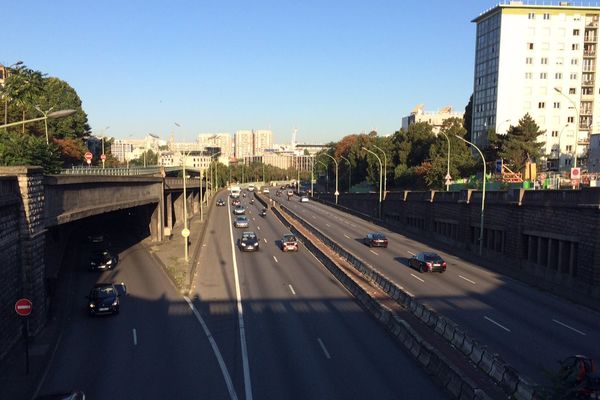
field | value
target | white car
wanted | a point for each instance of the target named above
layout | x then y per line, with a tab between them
304	199
239	210
241	222
266	190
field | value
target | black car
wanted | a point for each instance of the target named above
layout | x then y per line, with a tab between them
263	212
102	260
375	239
427	262
220	202
249	241
103	299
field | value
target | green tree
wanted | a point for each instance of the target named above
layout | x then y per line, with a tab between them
17	149
521	144
22	87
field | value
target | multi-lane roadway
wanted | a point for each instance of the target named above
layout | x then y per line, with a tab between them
262	325
529	328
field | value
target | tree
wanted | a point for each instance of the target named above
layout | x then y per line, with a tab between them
521	143
468	118
23	86
17	149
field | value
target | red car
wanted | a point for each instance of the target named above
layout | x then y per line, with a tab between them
376	239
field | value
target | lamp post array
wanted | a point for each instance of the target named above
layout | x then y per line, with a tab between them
337	192
380	178
384	168
448	177
349	172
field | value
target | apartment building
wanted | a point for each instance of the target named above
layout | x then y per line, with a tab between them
263	139
434	118
220	140
541	60
244	144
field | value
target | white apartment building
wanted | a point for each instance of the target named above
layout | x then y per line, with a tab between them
195	159
541	60
434	118
263	139
244	144
221	140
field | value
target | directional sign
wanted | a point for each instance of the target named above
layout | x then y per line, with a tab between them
185	232
88	156
23	307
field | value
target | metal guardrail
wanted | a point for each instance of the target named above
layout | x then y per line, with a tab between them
114	171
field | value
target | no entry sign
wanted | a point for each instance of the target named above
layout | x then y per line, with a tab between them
23	307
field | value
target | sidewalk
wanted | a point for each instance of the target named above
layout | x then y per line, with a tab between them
16	384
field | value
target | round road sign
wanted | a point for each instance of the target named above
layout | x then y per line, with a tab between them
88	156
23	307
185	232
103	157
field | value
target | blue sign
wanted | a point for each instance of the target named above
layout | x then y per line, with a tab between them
498	168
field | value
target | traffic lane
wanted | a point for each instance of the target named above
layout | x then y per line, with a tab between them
117	356
323	336
497	312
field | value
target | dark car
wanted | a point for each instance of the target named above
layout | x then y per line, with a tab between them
103	299
375	239
263	212
220	202
102	260
77	395
427	262
289	243
249	241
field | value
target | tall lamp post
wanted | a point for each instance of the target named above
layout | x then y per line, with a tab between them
483	193
216	182
54	114
576	123
312	175
349	172
185	231
380	178
6	98
384	168
559	139
326	172
337	192
103	157
448	177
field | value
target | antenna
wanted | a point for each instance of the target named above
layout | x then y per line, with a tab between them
295	131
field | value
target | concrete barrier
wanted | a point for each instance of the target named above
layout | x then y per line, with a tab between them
498	370
458	339
455	383
449	330
477	353
440	325
467	347
525	390
487	360
510	380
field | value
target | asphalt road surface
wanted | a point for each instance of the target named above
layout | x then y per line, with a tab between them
530	329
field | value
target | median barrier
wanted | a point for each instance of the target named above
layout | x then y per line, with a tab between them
487	360
498	370
458	339
467	346
477	353
454	385
449	330
440	325
510	380
525	391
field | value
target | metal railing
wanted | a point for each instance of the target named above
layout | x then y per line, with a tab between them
116	171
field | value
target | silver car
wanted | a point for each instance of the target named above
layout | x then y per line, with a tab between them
241	222
239	210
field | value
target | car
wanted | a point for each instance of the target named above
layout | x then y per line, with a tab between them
251	188
239	210
265	190
375	239
103	299
290	193
236	202
427	262
289	243
241	222
102	260
263	212
220	202
304	199
278	193
249	241
75	395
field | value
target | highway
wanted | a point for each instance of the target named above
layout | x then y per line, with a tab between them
528	328
284	329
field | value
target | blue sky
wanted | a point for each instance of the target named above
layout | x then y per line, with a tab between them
328	68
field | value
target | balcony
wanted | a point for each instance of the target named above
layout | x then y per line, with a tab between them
589	68
589	53
587	83
591	24
590	38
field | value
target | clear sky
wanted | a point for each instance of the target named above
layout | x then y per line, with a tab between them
328	68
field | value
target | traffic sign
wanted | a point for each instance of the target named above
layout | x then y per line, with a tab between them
103	157
498	166
88	156
185	232
23	307
576	173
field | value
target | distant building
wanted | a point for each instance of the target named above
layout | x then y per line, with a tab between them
435	119
263	139
220	140
244	144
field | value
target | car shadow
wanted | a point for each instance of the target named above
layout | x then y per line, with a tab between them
403	260
361	241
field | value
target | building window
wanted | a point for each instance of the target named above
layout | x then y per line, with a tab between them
543	75
570	119
569	148
558	75
541	104
531	15
554	133
573	75
574	61
546	16
528	60
556	104
544	60
528	75
575	32
572	90
530	46
575	46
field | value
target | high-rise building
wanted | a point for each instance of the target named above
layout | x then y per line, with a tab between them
244	144
541	60
263	139
221	140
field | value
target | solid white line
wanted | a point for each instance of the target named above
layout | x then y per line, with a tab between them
253	219
347	236
275	258
466	279
373	252
292	289
242	327
215	349
569	327
411	253
324	349
134	337
500	325
416	277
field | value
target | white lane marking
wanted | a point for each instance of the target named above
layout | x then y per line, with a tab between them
353	225
253	219
265	240
204	245
411	253
498	324
346	236
466	279
569	327
292	289
373	252
215	349
416	277
324	349
258	227
275	258
242	327
134	337
328	225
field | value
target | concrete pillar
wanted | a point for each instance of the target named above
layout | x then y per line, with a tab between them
530	255
170	211
572	260
560	264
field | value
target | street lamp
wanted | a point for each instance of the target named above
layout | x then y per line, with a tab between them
337	193
448	177
216	182
380	177
385	168
312	175
576	123
185	232
559	148
54	114
6	98
103	157
349	172
326	172
482	196
45	113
